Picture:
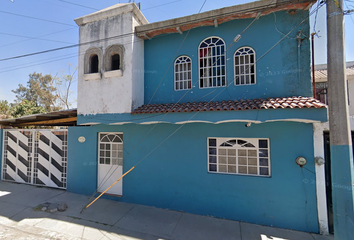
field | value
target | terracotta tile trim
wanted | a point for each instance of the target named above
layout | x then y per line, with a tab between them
232	105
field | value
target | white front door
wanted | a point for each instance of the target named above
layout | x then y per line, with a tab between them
110	162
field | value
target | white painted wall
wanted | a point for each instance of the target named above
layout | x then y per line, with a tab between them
137	68
101	93
319	128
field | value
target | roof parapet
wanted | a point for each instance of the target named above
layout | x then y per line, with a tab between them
219	16
112	11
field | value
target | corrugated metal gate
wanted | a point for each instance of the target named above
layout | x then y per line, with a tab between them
37	157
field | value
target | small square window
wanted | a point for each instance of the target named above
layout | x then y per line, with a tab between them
212	159
263	144
212	167
212	151
222	159
222	151
222	168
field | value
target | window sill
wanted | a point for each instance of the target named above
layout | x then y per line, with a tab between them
92	76
114	73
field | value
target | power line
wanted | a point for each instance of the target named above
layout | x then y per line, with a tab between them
160	5
105	179
40	19
30	38
122	35
62	48
55	59
184	39
38	38
223	89
78	5
61	58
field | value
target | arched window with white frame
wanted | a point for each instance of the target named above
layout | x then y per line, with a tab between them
245	66
212	67
183	73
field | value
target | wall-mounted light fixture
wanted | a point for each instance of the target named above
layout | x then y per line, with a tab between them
301	161
81	139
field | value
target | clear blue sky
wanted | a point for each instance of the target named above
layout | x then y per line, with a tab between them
29	26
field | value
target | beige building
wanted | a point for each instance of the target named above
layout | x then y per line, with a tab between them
321	84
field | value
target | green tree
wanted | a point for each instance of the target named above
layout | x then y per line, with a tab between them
25	108
40	90
4	107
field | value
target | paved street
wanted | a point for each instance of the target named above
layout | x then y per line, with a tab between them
20	219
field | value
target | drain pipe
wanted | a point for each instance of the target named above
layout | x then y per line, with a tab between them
313	64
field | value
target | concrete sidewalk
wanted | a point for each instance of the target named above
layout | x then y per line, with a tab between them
115	220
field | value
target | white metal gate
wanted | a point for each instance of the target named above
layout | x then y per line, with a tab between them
37	157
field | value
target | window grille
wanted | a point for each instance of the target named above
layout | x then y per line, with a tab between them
245	68
183	73
247	156
212	68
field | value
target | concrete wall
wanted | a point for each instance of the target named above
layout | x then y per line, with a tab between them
278	73
175	176
137	69
100	93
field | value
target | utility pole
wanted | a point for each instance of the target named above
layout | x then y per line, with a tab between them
340	138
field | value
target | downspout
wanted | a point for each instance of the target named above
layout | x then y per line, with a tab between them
313	64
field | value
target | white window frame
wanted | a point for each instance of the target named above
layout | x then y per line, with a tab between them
230	156
209	77
184	73
242	71
119	150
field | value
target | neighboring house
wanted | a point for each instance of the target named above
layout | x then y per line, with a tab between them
322	145
214	124
322	84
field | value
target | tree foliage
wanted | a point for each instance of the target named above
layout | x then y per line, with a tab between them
25	108
42	93
40	90
4	107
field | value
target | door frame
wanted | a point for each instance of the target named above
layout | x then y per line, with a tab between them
111	167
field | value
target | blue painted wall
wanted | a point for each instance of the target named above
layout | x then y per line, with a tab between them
175	176
263	115
278	74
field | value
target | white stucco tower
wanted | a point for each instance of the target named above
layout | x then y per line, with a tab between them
111	61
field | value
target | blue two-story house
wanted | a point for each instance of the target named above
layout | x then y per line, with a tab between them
214	111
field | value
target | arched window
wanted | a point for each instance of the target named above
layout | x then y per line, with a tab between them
183	73
115	62
212	68
94	63
111	148
92	60
113	58
245	68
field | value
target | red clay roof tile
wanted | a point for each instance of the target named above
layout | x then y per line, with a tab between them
233	105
